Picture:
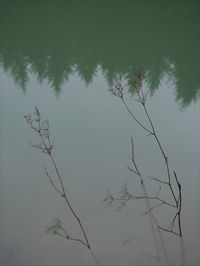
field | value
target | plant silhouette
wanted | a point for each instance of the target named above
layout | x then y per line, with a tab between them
41	127
174	190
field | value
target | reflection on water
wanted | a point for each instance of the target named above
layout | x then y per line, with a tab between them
68	45
55	39
91	132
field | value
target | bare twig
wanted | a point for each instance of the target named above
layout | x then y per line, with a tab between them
42	129
154	207
126	196
176	196
118	91
157	180
133	158
141	98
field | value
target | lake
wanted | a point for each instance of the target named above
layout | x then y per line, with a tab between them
64	57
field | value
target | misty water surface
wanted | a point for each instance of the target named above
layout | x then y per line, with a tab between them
63	57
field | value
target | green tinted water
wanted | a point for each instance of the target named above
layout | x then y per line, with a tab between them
63	56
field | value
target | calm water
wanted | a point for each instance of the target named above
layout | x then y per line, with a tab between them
63	56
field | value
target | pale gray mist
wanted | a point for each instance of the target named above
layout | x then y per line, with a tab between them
63	57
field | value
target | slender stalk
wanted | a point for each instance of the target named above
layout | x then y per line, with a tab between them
49	152
42	128
152	218
119	91
162	151
129	111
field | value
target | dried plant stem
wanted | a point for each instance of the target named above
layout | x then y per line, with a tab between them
68	202
141	98
177	201
152	218
132	115
42	129
161	149
175	193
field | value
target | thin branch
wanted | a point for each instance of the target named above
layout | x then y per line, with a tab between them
133	158
179	203
130	112
129	168
126	196
154	220
177	197
73	239
42	129
155	206
50	180
141	98
169	231
157	180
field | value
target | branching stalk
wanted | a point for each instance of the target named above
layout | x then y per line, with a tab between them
141	98
118	91
42	129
